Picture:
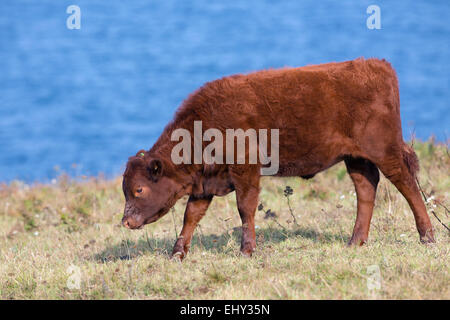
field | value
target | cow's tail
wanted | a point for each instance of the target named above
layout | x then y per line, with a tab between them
410	159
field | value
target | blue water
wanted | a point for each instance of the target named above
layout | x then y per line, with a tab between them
94	96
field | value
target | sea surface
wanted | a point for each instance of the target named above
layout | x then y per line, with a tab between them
82	101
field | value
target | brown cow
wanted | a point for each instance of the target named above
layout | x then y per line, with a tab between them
325	113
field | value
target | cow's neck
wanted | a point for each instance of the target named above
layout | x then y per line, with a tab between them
163	147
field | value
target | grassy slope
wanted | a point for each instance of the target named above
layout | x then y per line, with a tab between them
44	229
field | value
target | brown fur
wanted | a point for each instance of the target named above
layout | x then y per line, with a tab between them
325	113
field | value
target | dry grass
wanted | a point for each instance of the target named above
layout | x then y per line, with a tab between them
45	229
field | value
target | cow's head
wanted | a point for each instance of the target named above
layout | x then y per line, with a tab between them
150	190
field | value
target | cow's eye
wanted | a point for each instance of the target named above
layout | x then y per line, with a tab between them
139	190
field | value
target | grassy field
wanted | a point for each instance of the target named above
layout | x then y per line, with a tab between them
64	241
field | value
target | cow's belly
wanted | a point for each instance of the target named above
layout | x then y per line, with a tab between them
307	167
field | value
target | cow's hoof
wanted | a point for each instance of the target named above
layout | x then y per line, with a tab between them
178	255
427	240
426	236
356	242
247	252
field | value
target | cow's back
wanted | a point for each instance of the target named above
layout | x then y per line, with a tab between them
321	111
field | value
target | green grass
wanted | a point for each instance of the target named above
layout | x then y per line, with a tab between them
46	229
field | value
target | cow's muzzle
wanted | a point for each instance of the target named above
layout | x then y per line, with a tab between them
131	223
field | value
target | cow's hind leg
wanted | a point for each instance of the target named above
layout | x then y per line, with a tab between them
365	177
401	171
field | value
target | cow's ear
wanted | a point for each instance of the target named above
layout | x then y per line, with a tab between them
140	153
155	169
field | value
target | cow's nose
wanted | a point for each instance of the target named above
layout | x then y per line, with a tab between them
126	223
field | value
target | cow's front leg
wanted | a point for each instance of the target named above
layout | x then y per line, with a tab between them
247	191
195	210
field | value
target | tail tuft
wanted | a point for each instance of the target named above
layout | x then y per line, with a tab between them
411	160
